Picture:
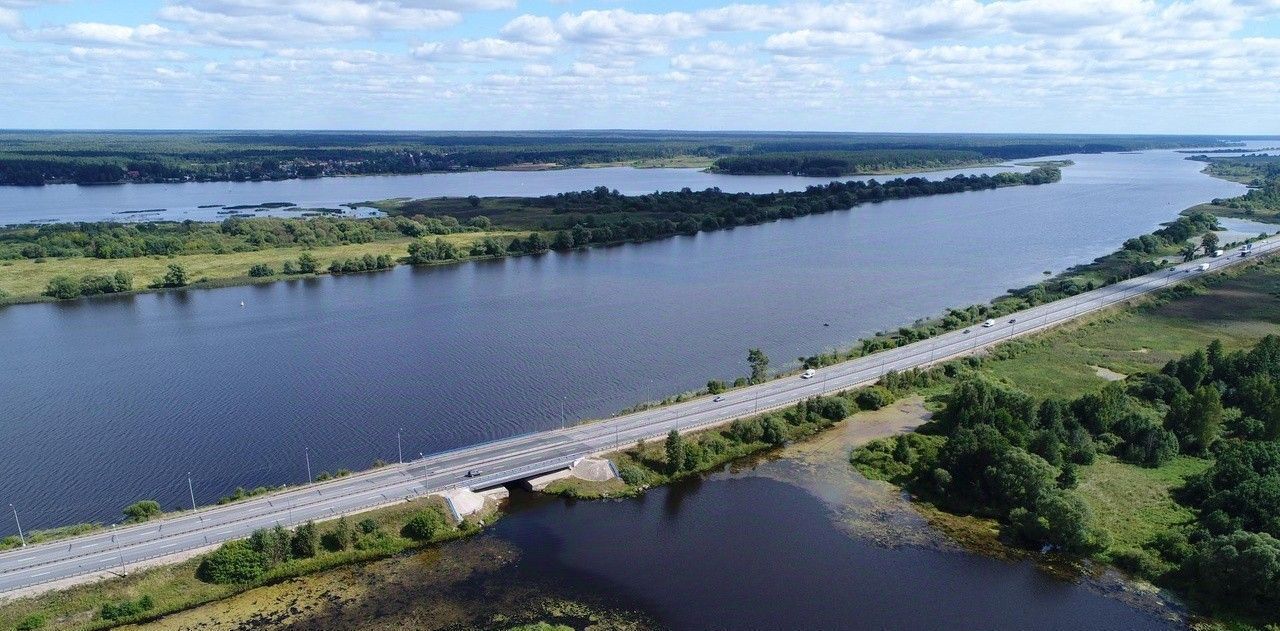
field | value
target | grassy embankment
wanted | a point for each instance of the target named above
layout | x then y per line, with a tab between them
173	588
24	280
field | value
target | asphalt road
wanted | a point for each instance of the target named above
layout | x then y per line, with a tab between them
115	550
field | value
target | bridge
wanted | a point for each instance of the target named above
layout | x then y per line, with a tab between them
478	467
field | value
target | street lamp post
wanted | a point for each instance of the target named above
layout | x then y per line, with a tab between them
307	453
21	537
192	492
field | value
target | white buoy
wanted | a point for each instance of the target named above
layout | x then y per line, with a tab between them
241	303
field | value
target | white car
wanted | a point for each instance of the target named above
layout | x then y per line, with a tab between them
808	374
988	324
717	399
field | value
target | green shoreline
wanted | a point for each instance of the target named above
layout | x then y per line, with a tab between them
749	448
609	220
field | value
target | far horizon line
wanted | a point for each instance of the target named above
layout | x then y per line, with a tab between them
659	130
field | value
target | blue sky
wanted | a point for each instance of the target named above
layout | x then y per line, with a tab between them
1106	66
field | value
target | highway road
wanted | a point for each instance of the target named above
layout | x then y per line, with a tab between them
117	549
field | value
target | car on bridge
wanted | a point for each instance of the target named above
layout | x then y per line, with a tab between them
808	374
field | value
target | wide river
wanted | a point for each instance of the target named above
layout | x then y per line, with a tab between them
107	401
204	201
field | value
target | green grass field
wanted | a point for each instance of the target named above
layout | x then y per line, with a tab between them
26	279
1134	503
1238	308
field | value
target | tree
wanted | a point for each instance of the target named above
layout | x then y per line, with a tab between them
423	525
675	451
774	431
536	243
62	288
273	544
141	511
563	241
261	270
874	398
1209	242
234	563
426	252
1188	252
175	276
1196	419
1242	568
342	537
308	264
715	386
306	541
759	363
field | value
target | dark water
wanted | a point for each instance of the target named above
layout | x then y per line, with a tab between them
107	401
178	202
755	553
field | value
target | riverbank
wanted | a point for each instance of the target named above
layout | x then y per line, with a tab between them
67	261
169	588
751	435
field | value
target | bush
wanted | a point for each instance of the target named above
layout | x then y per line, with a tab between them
126	609
62	288
261	270
1140	563
632	474
32	622
234	563
424	525
175	276
141	511
874	398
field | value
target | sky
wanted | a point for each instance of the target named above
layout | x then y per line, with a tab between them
1078	66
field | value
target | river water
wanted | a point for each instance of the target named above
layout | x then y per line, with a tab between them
107	401
204	201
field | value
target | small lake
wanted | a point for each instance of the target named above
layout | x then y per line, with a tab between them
107	401
204	201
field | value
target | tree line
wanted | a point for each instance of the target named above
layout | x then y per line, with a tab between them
996	451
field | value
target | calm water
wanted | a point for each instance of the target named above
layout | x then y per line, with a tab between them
755	553
108	401
68	202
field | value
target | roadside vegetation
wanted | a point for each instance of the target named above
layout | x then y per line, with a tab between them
268	556
1168	473
65	261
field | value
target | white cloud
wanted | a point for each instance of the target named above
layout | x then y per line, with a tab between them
613	63
78	33
488	48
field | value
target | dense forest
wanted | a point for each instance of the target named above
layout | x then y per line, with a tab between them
999	452
36	158
833	164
